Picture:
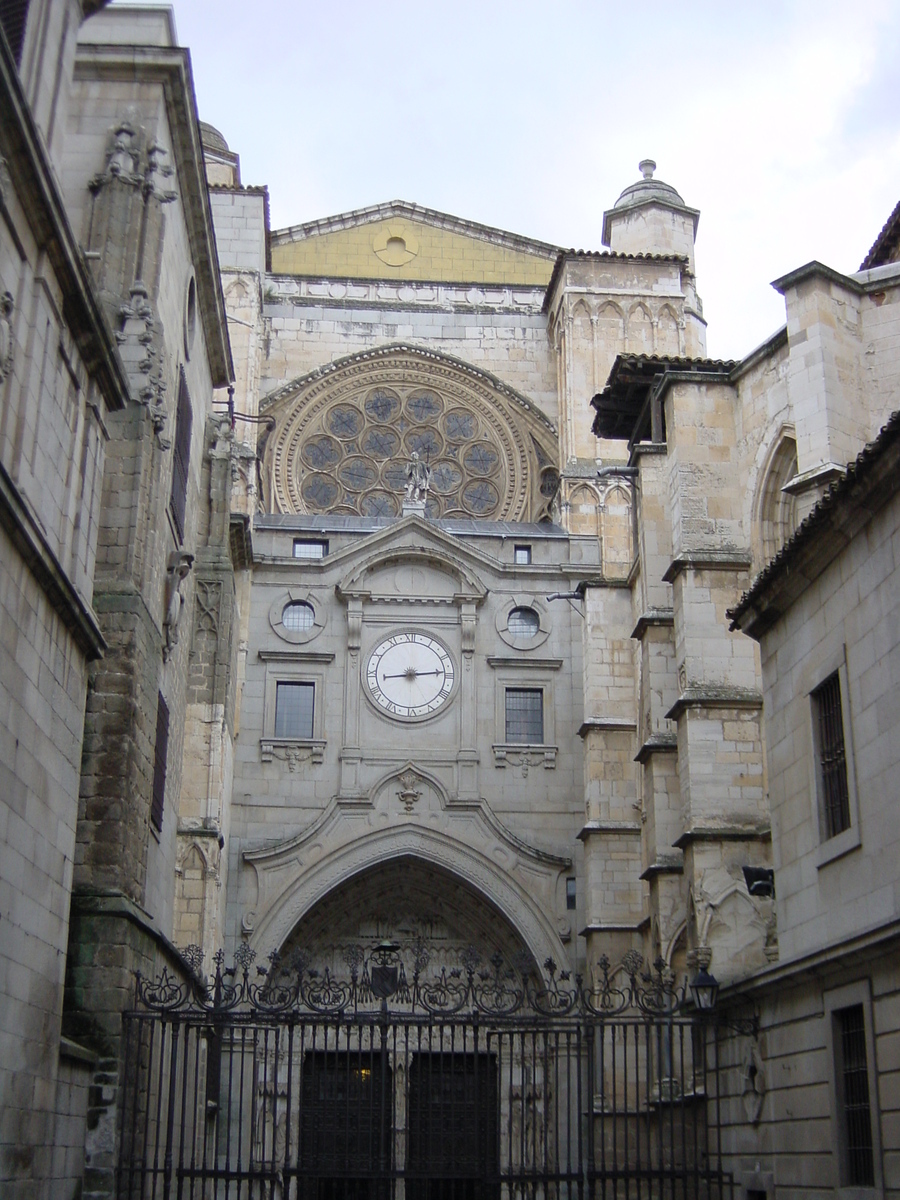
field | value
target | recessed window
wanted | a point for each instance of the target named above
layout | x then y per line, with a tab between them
525	715
522	556
310	548
834	793
160	763
570	894
523	623
298	617
294	710
181	457
852	1078
190	317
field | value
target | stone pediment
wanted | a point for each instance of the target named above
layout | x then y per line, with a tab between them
413	561
399	240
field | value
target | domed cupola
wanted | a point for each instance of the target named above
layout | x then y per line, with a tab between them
650	217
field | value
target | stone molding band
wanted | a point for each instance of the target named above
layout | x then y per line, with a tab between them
46	569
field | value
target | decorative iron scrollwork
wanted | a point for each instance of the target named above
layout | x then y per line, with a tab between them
407	980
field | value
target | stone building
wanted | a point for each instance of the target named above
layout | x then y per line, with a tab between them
825	615
421	632
112	339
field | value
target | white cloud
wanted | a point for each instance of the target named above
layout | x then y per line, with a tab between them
779	121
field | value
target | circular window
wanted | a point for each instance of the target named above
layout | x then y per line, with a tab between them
298	617
523	623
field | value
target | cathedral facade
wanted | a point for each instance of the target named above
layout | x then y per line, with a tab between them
393	580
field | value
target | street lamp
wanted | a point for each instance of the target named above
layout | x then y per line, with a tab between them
705	989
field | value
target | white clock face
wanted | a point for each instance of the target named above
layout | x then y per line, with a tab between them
410	675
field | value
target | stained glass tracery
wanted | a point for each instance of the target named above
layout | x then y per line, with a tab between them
350	454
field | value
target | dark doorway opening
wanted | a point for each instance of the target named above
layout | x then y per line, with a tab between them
345	1126
454	1151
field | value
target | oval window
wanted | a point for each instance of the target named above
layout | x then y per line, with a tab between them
523	623
298	616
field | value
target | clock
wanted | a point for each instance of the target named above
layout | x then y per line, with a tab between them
410	675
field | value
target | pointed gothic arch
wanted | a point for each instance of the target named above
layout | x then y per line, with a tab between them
775	510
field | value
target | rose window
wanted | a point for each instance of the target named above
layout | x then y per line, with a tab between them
344	438
355	456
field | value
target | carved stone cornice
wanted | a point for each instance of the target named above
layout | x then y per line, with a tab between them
714	696
293	751
708	560
514	754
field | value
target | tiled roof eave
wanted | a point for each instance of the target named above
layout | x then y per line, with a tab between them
891	230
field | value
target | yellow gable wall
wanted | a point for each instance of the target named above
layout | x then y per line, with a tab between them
404	249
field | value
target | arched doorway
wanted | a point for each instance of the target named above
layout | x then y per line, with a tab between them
428	1095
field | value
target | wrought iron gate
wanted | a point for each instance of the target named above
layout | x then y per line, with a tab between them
476	1082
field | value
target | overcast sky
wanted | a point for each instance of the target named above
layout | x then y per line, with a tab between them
780	122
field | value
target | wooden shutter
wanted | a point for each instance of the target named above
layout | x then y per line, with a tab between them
160	759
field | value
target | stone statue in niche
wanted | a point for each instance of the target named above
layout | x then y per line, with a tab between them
177	570
418	479
123	153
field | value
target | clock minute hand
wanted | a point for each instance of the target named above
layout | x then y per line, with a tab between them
405	674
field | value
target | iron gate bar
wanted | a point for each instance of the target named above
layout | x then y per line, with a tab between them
472	1084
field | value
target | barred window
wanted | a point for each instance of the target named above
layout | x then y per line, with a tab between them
852	1070
294	710
522	556
160	762
832	760
306	548
298	616
525	715
523	623
184	419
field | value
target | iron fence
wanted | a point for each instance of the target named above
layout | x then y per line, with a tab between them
473	1082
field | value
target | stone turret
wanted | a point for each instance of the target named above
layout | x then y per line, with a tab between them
650	217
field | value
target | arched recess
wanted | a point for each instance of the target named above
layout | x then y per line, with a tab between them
493	885
667	341
584	511
617	529
345	433
640	330
776	510
410	901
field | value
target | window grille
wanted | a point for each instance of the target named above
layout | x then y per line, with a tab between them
522	555
294	710
854	1093
13	15
525	715
832	764
523	623
298	617
303	548
160	760
181	459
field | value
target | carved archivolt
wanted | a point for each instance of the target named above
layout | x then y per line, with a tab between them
345	434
